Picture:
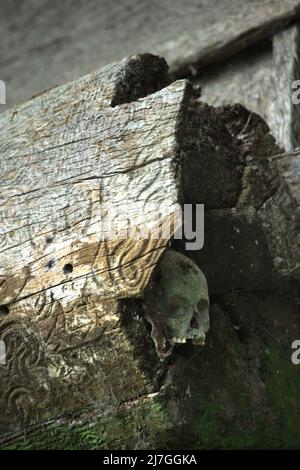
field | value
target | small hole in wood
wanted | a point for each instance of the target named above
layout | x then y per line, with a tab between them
49	240
68	268
51	263
4	310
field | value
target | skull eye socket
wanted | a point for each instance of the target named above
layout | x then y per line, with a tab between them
176	305
201	305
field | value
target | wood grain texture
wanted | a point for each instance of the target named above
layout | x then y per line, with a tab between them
244	78
69	159
284	114
45	43
73	161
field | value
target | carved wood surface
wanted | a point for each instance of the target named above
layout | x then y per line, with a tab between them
71	158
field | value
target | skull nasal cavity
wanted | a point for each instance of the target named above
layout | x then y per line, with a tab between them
194	323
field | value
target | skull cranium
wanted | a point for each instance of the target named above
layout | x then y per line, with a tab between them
177	305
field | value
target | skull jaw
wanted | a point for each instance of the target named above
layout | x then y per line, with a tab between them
164	344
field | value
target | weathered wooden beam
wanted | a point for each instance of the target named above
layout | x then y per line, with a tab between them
263	79
99	32
244	79
72	305
73	161
280	215
72	157
284	110
234	27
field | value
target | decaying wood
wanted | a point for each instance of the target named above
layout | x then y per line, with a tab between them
257	238
281	215
270	189
244	79
37	51
209	155
263	79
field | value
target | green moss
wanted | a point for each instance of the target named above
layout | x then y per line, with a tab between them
142	426
246	430
282	382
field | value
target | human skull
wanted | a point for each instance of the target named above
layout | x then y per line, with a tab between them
177	303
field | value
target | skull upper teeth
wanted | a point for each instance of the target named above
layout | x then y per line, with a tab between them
178	340
196	340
